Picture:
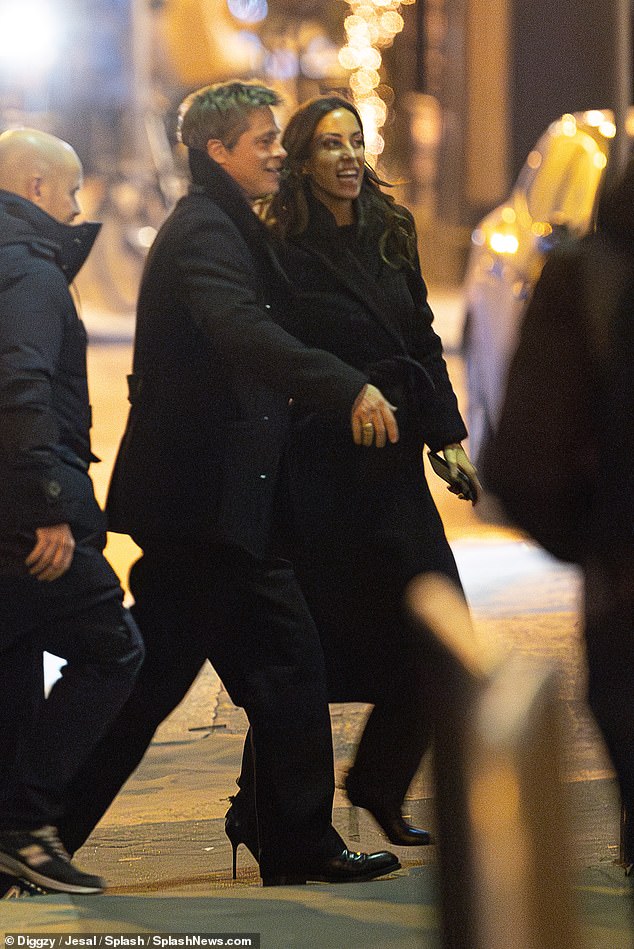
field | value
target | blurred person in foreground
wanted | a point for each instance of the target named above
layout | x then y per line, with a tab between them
57	591
562	459
194	484
363	523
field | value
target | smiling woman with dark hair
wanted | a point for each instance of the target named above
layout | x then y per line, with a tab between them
362	522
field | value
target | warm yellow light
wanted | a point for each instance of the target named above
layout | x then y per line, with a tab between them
392	22
376	145
374	32
386	94
355	24
378	109
600	160
364	81
608	129
508	215
349	57
569	125
503	243
371	24
594	117
365	10
370	58
534	160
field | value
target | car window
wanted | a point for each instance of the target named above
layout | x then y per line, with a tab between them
564	187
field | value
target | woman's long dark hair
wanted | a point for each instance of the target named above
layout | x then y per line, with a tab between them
287	213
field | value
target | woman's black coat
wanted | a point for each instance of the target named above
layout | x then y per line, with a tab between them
363	519
213	375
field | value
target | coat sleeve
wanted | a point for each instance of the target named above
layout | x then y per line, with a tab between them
541	457
445	421
31	333
217	272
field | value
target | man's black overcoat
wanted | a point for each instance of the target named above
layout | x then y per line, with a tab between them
213	375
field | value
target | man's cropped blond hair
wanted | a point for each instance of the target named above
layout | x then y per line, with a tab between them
221	112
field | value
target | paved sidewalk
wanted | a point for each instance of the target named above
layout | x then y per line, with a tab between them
163	849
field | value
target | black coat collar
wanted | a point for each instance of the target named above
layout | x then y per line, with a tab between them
26	223
326	241
211	179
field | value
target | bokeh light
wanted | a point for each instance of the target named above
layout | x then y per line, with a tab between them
249	11
30	35
370	27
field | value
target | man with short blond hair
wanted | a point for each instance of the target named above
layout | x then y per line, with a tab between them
195	484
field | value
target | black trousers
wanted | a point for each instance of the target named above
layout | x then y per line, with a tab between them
250	620
79	617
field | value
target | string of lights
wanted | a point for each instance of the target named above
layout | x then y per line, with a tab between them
371	26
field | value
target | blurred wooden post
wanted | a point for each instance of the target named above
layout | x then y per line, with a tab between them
502	829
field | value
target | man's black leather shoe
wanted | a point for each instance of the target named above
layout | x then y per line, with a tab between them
346	867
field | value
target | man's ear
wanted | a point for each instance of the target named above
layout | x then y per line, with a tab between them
217	150
34	189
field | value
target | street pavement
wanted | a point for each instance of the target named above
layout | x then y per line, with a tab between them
162	847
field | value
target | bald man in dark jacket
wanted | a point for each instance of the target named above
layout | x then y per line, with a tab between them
57	591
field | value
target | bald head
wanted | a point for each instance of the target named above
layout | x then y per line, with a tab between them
43	169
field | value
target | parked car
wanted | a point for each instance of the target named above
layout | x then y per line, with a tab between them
555	197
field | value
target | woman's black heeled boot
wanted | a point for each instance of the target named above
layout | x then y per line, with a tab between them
389	818
240	829
396	828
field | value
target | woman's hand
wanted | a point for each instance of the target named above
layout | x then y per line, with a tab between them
458	460
373	421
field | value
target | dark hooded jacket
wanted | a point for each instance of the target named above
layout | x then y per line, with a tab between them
44	408
213	374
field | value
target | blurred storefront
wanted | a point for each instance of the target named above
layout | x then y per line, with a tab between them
453	93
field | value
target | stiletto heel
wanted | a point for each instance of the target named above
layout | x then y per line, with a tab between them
239	831
234	865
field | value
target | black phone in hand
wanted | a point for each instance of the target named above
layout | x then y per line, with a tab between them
461	485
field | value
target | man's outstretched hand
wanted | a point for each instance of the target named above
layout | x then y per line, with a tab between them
373	420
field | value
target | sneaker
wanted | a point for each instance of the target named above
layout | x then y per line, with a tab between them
39	857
